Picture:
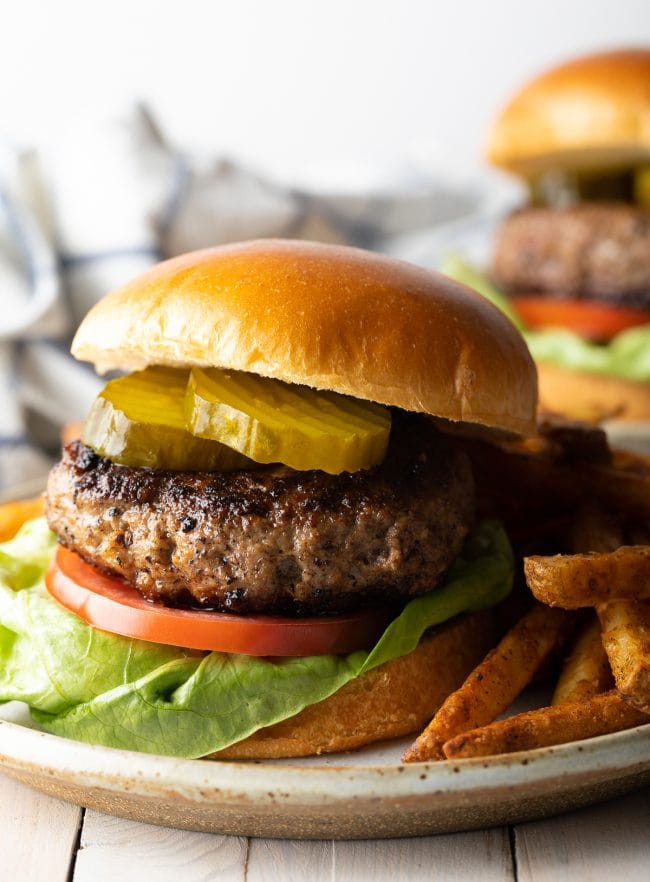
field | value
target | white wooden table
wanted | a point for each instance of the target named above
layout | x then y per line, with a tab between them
45	840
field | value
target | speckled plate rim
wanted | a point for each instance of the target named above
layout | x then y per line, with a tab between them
93	766
629	435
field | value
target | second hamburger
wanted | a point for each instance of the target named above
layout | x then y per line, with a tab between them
578	256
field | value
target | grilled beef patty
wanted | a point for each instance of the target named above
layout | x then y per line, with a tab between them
272	540
592	251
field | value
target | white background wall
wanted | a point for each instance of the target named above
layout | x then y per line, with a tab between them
306	89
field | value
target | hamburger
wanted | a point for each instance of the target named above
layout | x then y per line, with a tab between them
265	543
575	261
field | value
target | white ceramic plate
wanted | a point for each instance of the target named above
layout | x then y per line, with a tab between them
360	795
634	436
367	794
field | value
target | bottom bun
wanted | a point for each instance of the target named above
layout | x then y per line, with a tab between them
395	699
592	397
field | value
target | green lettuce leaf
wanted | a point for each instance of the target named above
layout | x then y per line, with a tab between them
627	355
98	687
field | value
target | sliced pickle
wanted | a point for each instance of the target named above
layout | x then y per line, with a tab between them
642	186
554	187
611	186
272	421
139	421
559	187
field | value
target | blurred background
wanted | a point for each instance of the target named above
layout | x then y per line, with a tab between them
134	130
312	92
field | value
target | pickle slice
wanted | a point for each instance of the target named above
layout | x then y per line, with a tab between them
642	186
560	187
271	421
139	421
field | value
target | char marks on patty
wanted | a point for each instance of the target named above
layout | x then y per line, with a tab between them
272	540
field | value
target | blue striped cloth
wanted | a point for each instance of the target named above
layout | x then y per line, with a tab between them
112	199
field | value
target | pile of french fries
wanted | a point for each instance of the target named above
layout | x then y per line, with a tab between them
14	514
591	603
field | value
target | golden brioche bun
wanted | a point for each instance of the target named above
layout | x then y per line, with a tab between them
590	113
592	397
325	316
395	699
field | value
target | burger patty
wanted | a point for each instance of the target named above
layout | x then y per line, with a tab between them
272	540
593	250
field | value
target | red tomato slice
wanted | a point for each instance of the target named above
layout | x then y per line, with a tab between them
111	605
596	321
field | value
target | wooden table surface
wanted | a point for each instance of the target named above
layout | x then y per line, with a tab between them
46	840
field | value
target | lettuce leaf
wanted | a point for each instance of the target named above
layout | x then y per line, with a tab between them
627	355
98	687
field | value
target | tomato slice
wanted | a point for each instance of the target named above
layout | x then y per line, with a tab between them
111	605
590	319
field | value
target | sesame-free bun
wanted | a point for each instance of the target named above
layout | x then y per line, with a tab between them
592	397
395	699
592	113
324	316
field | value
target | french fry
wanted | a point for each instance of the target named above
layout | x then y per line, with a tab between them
70	432
496	682
593	530
524	484
599	715
626	638
14	514
571	581
575	441
586	671
609	569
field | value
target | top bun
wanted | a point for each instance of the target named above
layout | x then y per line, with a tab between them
324	316
590	114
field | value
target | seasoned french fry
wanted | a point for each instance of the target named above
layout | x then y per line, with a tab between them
575	441
593	530
14	514
548	725
586	671
70	432
520	483
571	581
496	682
626	638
